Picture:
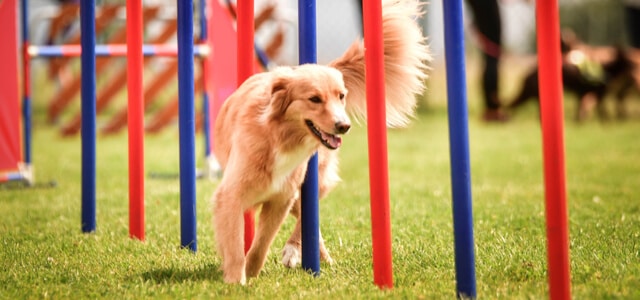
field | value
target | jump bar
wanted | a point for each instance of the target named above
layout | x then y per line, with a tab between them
112	50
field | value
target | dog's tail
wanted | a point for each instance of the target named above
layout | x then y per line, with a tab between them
405	58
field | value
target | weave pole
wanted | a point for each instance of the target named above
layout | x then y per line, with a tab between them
26	82
88	93
135	119
187	126
377	137
552	116
245	25
206	129
459	150
309	214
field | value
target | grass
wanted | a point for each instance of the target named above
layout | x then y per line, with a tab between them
44	254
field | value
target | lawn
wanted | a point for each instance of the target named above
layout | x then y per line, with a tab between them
45	255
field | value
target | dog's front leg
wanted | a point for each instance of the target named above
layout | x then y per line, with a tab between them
291	253
228	226
272	214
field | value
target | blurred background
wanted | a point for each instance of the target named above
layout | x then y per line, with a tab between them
497	67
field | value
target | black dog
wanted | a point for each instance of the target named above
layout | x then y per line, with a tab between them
613	76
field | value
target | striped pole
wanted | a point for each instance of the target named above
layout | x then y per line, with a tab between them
135	119
112	50
187	126
459	150
88	61
309	194
245	70
377	137
552	116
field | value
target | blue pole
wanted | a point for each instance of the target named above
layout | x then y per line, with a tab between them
309	214
187	126
205	115
26	97
205	93
459	149
88	131
203	20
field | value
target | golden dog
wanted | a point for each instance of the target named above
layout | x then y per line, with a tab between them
267	130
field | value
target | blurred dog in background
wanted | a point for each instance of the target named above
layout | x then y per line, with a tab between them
591	73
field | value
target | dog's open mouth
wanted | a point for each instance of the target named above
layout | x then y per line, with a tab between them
330	141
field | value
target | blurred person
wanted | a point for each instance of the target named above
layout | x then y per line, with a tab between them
486	16
632	11
488	25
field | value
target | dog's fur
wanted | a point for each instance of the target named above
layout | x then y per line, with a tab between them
268	129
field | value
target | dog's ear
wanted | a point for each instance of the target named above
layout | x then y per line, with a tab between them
280	96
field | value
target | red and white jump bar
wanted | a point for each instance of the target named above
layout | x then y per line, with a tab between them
112	50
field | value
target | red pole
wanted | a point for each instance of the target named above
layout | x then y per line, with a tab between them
377	136
135	119
245	70
552	117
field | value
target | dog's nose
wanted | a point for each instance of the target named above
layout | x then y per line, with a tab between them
342	127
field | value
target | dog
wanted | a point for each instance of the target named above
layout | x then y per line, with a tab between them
267	130
591	73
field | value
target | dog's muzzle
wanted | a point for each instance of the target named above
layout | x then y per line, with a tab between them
331	141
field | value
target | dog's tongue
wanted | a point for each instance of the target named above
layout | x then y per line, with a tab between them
333	140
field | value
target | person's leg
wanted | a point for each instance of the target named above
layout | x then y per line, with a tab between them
633	25
490	82
486	14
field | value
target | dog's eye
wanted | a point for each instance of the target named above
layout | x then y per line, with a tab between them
341	96
315	99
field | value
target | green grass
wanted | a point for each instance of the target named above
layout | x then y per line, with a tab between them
43	253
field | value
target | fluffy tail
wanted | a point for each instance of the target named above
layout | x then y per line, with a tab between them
405	58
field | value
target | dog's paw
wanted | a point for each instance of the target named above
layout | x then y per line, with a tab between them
234	280
326	257
235	277
324	253
291	256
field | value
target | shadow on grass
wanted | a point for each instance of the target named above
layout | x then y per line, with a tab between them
210	272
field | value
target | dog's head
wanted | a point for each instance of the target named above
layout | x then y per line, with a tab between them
313	97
